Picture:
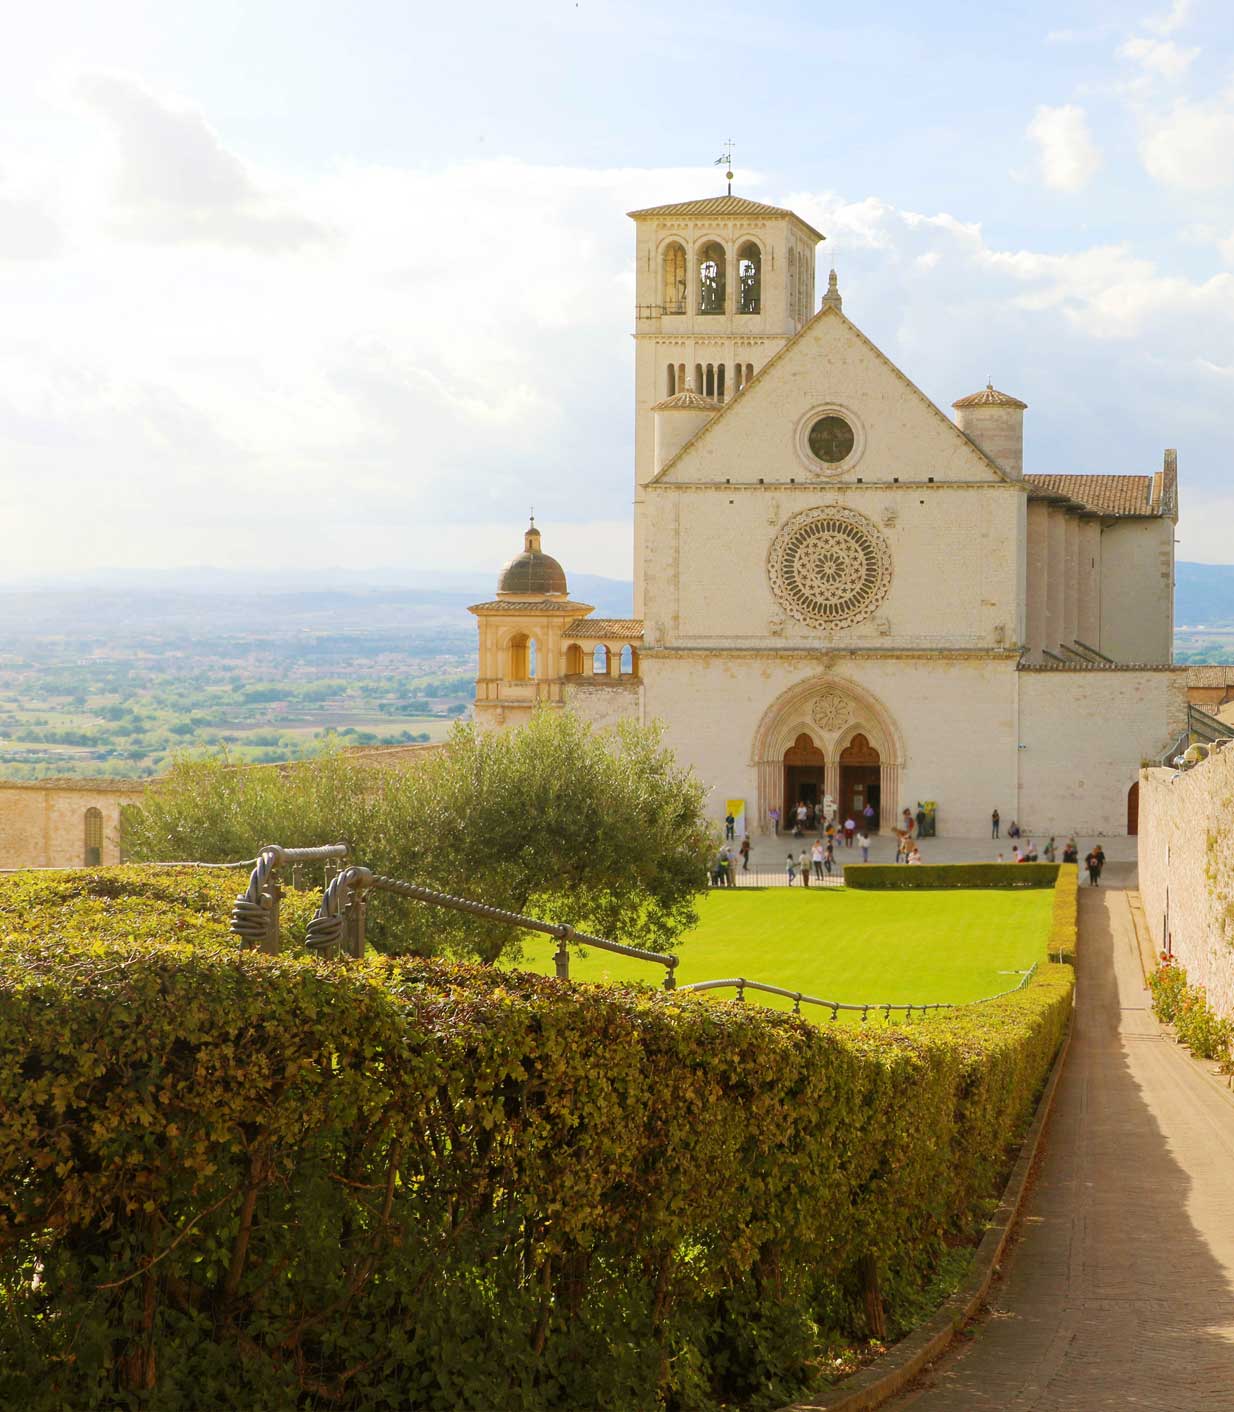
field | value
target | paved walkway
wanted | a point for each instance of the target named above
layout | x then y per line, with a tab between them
1120	1293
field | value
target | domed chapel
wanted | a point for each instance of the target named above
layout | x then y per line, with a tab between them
839	589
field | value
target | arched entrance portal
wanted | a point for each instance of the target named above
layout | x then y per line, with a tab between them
804	775
1133	808
860	782
830	736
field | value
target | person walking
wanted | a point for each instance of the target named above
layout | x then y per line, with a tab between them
816	858
863	842
850	831
744	850
774	815
907	816
867	815
1094	868
829	857
994	823
1099	854
729	822
790	869
804	864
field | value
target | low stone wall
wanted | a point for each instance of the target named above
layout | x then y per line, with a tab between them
1186	868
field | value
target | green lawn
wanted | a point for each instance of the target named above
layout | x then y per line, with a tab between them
846	945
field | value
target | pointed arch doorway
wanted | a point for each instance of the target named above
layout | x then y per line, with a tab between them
805	769
860	779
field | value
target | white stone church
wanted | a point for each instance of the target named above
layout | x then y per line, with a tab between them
840	590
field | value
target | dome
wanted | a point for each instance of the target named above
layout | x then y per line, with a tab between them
990	396
532	571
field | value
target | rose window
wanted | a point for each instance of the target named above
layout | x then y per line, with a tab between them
829	567
830	711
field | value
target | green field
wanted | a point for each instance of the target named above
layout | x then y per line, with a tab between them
841	944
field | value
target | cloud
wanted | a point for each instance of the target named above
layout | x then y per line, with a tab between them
28	230
1191	146
1160	57
176	182
1067	153
1172	19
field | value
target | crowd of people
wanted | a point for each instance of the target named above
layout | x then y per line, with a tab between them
818	861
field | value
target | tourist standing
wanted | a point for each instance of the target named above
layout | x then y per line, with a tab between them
863	842
729	822
994	822
803	813
790	869
744	850
804	864
1099	854
774	815
829	857
850	831
867	815
816	857
1048	850
1093	866
907	816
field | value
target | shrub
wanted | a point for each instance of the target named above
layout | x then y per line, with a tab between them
935	875
1186	1007
237	1180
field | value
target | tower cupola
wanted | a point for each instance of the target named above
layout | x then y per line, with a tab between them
532	572
994	422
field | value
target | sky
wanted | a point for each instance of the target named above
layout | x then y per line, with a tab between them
285	284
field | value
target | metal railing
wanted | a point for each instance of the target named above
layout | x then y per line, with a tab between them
773	877
339	924
799	998
255	915
338	928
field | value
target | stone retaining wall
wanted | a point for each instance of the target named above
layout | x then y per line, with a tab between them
1186	868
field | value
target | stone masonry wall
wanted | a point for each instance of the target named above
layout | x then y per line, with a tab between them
1187	871
43	823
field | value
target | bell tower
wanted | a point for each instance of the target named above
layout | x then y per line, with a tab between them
721	285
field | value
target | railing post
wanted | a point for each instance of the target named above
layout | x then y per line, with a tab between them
353	924
670	976
270	943
561	957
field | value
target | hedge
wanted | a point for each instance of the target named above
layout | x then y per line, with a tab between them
235	1180
936	875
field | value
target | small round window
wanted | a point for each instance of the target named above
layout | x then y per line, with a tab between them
831	440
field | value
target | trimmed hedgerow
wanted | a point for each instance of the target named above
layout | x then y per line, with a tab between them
934	875
235	1180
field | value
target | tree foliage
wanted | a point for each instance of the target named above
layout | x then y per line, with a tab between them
602	829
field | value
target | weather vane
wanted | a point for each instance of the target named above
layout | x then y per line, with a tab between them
725	159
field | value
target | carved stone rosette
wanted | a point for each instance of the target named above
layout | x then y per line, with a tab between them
829	567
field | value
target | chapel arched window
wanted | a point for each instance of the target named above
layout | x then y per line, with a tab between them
94	837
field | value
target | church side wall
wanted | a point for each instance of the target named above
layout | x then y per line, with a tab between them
1137	558
604	703
957	720
1084	735
45	826
1186	876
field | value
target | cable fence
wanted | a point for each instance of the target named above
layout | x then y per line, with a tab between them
338	927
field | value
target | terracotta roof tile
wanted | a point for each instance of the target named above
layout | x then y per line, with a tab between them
1105	495
626	628
990	396
708	207
530	605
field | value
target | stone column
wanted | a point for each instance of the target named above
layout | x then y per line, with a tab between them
1071	577
888	797
1054	581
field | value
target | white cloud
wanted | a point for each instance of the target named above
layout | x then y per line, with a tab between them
1160	57
1172	19
1191	146
175	181
1067	154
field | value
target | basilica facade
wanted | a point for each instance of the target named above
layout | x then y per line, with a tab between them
840	590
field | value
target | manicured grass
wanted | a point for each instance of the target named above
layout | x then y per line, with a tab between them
846	945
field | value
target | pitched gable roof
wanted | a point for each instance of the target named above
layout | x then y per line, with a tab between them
830	311
714	207
1119	496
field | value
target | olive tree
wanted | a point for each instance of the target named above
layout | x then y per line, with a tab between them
600	828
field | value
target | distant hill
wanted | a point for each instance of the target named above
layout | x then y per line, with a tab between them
213	601
1204	595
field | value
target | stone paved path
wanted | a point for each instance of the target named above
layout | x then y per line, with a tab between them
1120	1293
